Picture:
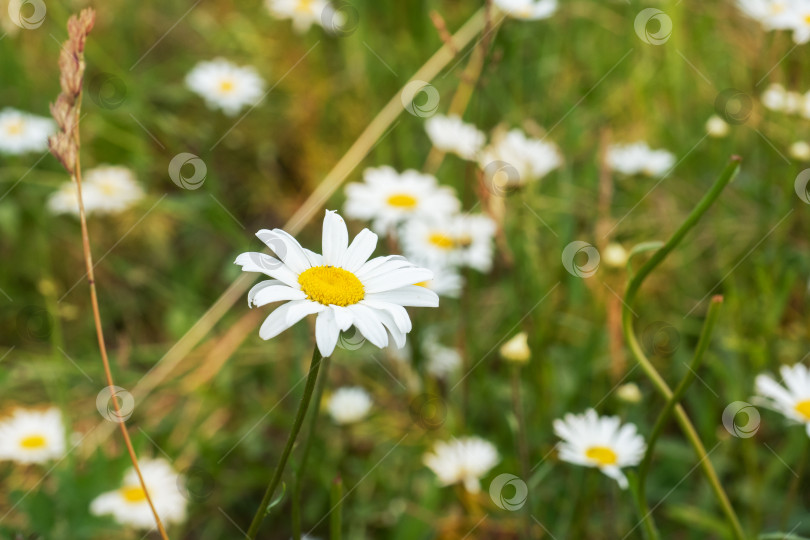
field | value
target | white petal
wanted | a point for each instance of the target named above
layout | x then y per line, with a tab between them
617	474
399	313
399	278
286	248
412	295
335	238
369	325
301	308
277	293
275	323
326	332
260	262
259	286
359	251
343	317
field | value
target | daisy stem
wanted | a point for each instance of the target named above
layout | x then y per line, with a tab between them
638	354
666	413
91	281
336	513
282	462
310	431
522	442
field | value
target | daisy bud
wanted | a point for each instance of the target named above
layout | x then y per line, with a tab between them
517	349
800	151
716	127
614	255
629	393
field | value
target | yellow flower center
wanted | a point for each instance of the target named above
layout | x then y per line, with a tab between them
807	19
304	6
133	494
331	285
402	200
33	442
442	241
803	408
602	455
15	127
226	86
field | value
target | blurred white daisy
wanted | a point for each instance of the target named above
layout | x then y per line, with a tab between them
462	240
441	361
21	132
602	442
302	13
451	134
777	98
800	21
447	281
528	9
800	150
388	198
224	85
348	405
792	399
638	158
342	286
30	436
462	461
105	190
531	158
716	127
771	14
128	504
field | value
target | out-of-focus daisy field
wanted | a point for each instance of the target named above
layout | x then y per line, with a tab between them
502	269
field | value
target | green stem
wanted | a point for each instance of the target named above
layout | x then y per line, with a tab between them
299	419
635	348
666	413
650	532
310	432
522	441
336	516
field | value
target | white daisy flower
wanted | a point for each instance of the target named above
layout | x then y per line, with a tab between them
528	9
462	461
532	158
601	442
776	98
800	150
441	361
105	190
388	198
224	85
128	504
717	127
799	17
30	436
302	13
342	286
451	134
21	132
349	405
771	14
447	281
638	158
462	240
792	399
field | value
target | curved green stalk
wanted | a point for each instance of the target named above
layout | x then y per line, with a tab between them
282	462
638	354
299	471
666	413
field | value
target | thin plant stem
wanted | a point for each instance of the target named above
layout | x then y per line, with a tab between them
523	444
302	466
365	142
650	532
638	354
282	462
666	413
91	280
336	514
